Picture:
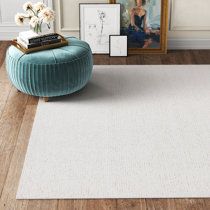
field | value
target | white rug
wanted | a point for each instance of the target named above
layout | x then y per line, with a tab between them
133	132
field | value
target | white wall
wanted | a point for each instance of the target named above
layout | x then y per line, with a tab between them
189	24
8	8
189	20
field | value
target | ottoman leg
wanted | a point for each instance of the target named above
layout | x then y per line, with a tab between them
46	99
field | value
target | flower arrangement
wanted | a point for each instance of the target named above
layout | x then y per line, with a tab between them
36	14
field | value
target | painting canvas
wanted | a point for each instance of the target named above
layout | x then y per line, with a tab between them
97	22
145	24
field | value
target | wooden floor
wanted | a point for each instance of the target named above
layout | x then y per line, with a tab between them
17	113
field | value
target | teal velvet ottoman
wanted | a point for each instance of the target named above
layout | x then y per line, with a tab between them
53	72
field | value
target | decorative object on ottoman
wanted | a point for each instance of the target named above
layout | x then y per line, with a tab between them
51	73
43	45
35	16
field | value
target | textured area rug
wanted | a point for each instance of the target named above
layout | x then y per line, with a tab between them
133	132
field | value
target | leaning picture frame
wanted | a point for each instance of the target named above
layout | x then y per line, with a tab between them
145	22
118	46
97	22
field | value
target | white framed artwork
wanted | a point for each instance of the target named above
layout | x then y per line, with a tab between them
118	45
97	22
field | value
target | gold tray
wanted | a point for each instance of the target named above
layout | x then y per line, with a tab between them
63	42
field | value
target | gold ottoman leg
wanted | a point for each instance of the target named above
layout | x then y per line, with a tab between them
46	99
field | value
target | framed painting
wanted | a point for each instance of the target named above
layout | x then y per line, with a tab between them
97	22
145	23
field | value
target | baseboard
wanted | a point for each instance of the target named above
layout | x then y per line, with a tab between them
183	44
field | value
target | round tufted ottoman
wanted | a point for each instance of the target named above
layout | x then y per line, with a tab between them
53	72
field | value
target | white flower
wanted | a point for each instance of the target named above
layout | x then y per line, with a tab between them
47	15
19	19
34	21
27	6
39	6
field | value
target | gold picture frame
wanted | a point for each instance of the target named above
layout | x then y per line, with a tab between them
158	45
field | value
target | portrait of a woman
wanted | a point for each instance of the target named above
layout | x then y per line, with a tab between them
138	31
141	22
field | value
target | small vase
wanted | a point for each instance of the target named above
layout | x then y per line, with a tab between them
38	29
41	30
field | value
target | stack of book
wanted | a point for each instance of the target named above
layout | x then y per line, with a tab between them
30	39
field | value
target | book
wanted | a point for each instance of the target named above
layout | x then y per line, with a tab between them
33	45
29	37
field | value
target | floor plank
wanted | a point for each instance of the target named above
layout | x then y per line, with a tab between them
190	204
69	205
160	204
135	60
170	58
99	204
17	113
101	59
131	204
5	88
117	61
105	204
154	60
185	57
200	55
42	205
